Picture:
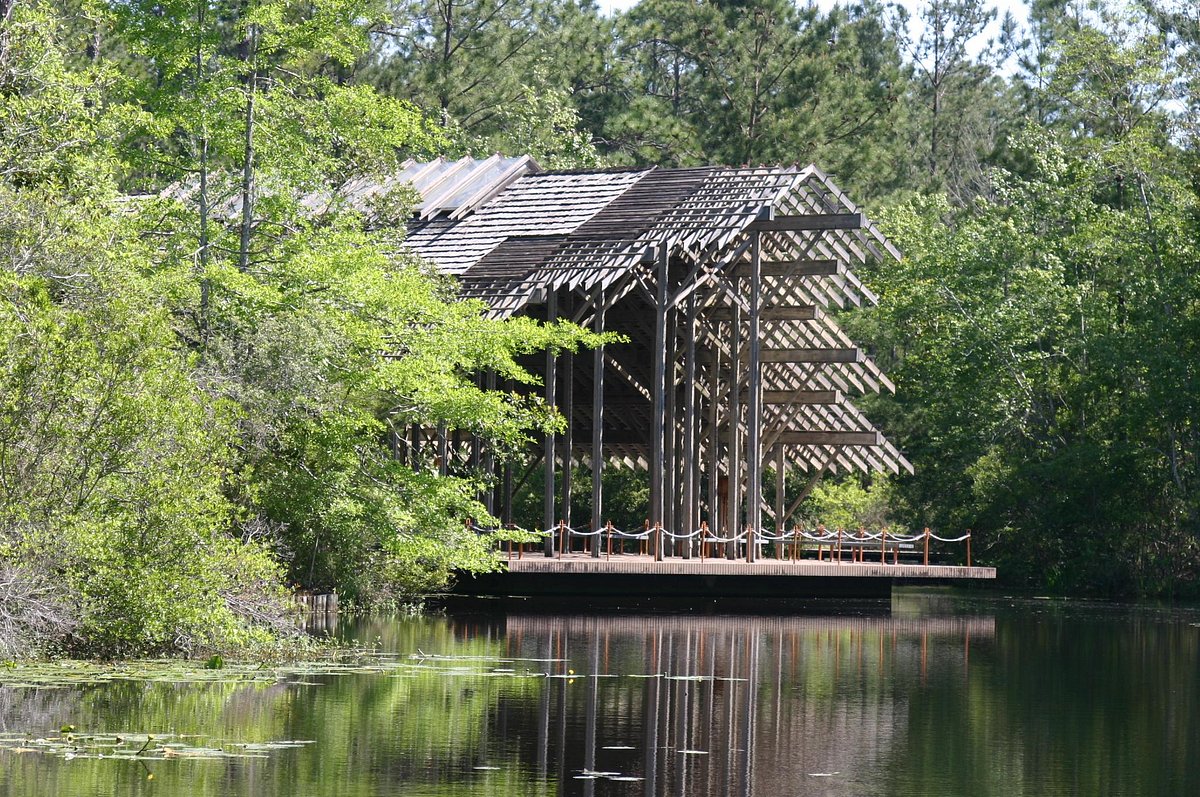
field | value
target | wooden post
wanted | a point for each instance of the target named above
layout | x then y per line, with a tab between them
563	542
839	545
414	447
506	489
568	441
927	546
659	389
968	547
443	450
608	527
883	546
671	497
780	520
735	436
489	459
690	513
598	425
551	401
714	444
754	405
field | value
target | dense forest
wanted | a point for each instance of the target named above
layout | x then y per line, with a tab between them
203	367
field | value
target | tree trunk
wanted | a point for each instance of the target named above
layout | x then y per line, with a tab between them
247	191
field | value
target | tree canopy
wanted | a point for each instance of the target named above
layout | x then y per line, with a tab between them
204	376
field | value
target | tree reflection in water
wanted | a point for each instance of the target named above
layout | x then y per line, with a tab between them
934	697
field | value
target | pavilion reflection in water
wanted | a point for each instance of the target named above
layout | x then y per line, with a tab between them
722	705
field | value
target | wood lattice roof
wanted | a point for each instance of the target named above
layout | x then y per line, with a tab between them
528	233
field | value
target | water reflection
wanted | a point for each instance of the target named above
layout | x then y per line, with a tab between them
730	705
930	698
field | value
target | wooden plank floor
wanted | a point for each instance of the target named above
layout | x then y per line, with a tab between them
637	564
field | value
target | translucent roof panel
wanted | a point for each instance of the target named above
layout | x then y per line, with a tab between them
458	188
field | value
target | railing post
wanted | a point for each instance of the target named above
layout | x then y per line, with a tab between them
839	545
608	527
968	547
562	537
927	546
658	541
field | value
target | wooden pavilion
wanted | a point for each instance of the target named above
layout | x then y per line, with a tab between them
721	279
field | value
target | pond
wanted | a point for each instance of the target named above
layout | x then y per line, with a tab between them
928	694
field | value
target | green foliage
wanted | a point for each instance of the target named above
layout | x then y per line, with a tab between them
1029	337
849	503
193	412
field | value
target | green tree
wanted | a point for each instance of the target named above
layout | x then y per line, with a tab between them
961	101
761	82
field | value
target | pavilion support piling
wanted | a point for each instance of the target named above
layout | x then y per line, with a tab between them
754	404
551	382
780	490
690	520
734	423
414	446
659	388
670	449
598	425
714	445
568	441
489	455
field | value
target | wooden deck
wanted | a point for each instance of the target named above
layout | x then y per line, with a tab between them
638	564
639	576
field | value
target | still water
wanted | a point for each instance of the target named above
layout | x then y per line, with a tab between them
931	694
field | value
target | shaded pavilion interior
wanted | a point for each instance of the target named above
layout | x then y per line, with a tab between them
724	281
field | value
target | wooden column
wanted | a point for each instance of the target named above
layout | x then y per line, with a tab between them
689	514
735	433
670	430
754	403
780	487
598	426
551	383
506	488
659	387
568	442
714	445
489	454
414	447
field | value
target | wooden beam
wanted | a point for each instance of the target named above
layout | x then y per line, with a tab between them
825	438
793	268
813	356
801	396
799	312
810	222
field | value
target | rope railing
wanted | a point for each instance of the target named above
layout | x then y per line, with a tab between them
788	544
